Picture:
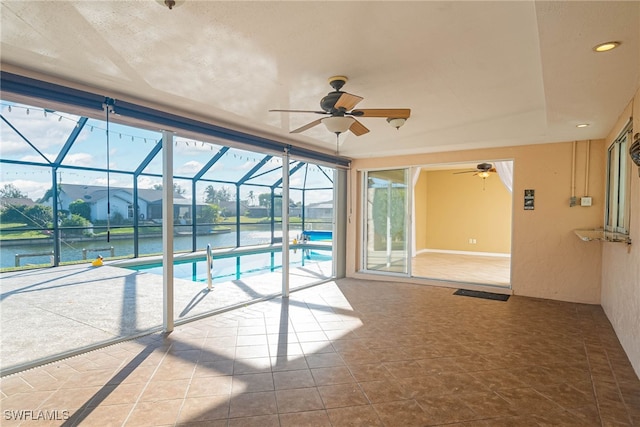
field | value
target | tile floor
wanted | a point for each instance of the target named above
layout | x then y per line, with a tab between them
349	353
490	270
110	303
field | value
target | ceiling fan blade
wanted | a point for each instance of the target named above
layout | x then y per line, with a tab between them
456	173
394	113
298	111
307	126
347	101
358	128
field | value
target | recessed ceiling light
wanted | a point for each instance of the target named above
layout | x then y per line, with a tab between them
604	47
582	125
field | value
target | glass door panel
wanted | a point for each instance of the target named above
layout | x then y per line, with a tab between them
385	229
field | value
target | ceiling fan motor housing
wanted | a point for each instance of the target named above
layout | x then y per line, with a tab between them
329	101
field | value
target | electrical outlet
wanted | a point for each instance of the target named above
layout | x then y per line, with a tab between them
585	201
472	241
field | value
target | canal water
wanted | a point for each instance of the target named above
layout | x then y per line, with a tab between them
76	250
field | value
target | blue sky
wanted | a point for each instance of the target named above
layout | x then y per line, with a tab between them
128	146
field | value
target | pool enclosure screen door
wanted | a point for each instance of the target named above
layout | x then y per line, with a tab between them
387	218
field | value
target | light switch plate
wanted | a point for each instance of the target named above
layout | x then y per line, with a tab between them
585	201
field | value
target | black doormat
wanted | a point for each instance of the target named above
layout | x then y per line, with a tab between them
480	294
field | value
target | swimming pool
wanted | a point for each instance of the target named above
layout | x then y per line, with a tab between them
229	267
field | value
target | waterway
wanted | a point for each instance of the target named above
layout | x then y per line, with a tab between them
73	250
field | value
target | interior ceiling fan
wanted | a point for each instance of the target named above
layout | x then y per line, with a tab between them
483	170
339	107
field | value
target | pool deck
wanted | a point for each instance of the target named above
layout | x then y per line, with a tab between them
59	311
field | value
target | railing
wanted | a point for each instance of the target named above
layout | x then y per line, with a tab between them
33	255
209	267
110	249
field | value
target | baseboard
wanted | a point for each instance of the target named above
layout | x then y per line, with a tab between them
445	251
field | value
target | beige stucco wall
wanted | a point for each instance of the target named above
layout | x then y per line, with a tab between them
462	207
548	259
621	263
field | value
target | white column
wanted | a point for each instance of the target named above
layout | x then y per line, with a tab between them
167	231
285	223
339	235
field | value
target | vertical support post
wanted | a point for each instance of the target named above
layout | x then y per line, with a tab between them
303	208
136	219
56	220
272	213
167	231
237	215
285	223
194	221
339	234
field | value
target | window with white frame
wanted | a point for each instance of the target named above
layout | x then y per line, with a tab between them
616	216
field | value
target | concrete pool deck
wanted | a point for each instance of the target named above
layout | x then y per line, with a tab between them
58	311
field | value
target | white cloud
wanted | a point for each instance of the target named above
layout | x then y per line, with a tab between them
148	181
78	159
190	167
296	181
33	189
44	132
36	158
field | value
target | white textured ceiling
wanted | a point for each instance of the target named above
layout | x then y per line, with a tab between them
475	74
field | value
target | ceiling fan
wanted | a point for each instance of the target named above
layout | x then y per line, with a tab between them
338	106
483	170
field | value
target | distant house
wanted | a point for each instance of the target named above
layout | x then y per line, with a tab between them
120	200
257	212
321	210
265	212
229	208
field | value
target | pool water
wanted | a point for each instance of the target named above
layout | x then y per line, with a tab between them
234	268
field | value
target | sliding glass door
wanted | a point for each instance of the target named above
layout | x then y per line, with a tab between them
385	232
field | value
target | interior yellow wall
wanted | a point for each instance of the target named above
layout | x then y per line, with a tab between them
621	263
461	207
548	259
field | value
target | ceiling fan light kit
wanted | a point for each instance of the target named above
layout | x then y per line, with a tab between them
396	123
339	106
337	124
